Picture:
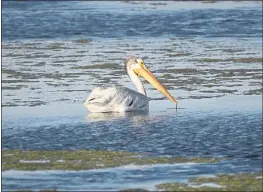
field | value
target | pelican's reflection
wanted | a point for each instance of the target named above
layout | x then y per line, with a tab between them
138	115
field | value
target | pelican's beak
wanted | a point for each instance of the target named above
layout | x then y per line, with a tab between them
146	73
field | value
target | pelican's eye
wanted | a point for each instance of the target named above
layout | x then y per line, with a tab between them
142	63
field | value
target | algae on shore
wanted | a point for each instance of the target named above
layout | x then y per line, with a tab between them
222	182
85	159
134	190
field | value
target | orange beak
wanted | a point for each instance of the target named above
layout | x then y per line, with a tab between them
146	73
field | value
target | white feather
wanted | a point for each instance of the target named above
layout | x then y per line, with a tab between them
116	99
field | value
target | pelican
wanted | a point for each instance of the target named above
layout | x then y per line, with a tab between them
122	99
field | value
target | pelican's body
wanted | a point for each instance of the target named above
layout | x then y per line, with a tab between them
122	99
116	99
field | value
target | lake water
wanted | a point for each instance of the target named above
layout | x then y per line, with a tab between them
208	55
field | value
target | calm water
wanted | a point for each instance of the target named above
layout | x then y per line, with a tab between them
67	20
45	44
219	127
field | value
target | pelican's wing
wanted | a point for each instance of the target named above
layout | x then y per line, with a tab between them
116	99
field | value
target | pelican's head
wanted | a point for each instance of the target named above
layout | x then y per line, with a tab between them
138	66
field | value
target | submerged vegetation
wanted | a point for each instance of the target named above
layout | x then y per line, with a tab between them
55	65
222	182
99	66
85	159
98	159
236	60
82	41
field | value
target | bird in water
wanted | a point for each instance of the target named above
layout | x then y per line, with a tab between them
122	99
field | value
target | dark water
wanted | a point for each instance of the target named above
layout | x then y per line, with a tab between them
191	133
69	20
227	127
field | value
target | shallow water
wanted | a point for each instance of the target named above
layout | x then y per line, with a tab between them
208	55
40	70
112	179
218	127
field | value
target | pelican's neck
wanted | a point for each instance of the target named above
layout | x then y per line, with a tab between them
136	81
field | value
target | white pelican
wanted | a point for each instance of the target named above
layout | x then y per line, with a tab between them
122	99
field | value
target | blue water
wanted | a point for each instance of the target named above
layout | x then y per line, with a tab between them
225	127
71	20
192	133
229	126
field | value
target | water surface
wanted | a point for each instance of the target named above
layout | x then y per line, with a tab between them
208	55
